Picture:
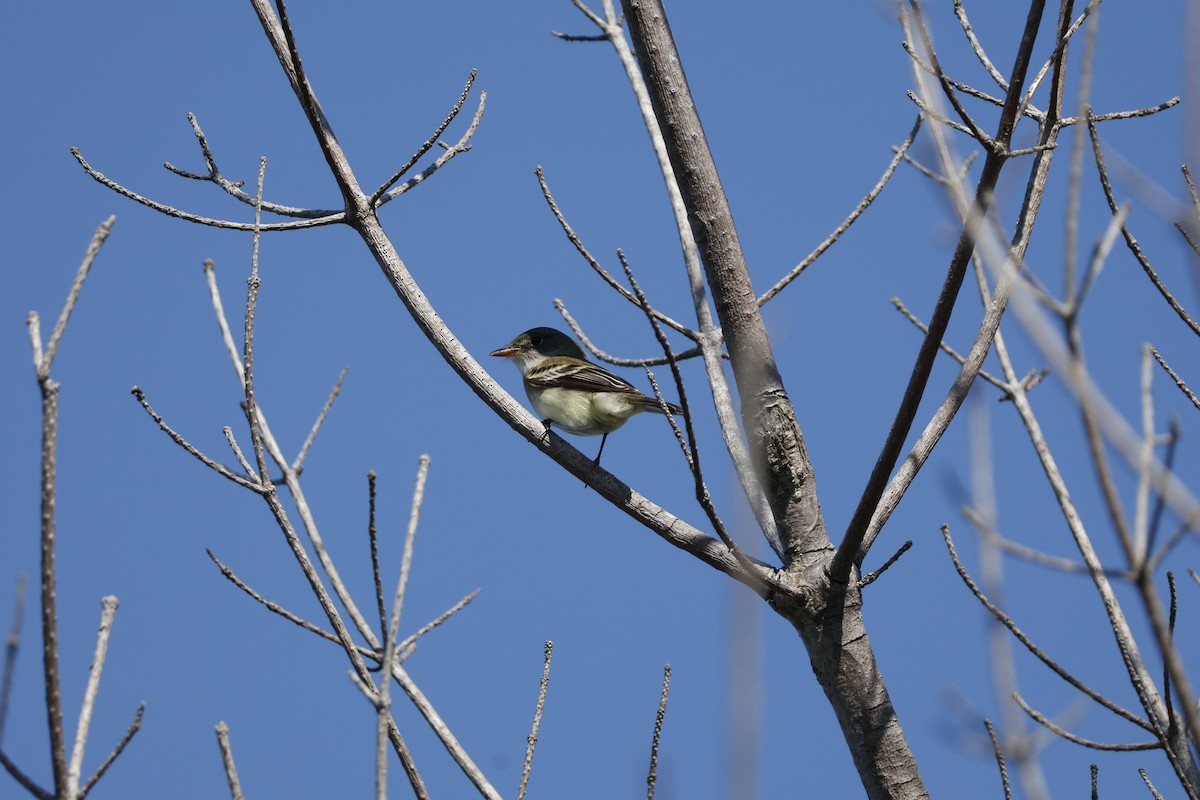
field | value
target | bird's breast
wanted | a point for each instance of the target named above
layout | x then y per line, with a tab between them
580	412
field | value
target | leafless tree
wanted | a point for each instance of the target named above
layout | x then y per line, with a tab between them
816	584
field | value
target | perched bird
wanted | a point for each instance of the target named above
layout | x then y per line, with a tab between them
571	392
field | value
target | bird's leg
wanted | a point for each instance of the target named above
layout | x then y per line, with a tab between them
546	434
603	439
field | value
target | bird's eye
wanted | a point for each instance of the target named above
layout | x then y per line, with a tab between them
535	340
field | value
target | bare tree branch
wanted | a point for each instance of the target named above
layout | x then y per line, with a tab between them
235	785
652	775
878	497
532	740
862	206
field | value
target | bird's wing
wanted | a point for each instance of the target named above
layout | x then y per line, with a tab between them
581	375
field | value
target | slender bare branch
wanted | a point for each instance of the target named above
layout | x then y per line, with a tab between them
573	237
1183	387
873	575
999	755
75	767
862	206
239	455
278	609
234	188
429	143
878	498
12	645
977	47
532	740
235	785
1146	779
437	621
298	463
1049	724
608	358
449	152
171	211
60	327
444	734
1112	116
1020	636
220	469
1134	247
43	360
652	775
947	349
23	779
970	126
392	631
126	738
691	451
373	541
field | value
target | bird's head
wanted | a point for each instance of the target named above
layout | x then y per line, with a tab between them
536	344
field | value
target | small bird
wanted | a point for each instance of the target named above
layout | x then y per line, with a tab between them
571	392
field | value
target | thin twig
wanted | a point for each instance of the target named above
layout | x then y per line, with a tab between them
171	211
12	645
608	358
1171	721
428	143
1149	785
89	256
438	620
1183	387
220	469
1049	724
43	360
406	563
991	145
573	237
947	349
1113	116
999	755
278	609
298	463
1008	622
1130	241
126	738
873	575
234	188
652	775
239	455
235	785
392	631
977	47
279	31
373	540
532	740
108	611
290	475
450	151
862	206
23	779
1141	511
691	451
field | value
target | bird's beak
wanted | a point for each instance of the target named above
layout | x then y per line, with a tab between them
507	351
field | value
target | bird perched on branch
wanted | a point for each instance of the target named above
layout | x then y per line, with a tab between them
571	392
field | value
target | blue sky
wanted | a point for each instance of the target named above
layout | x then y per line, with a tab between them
801	107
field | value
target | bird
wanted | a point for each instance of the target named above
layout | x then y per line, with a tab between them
571	392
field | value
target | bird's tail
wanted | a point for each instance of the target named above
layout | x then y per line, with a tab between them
651	404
